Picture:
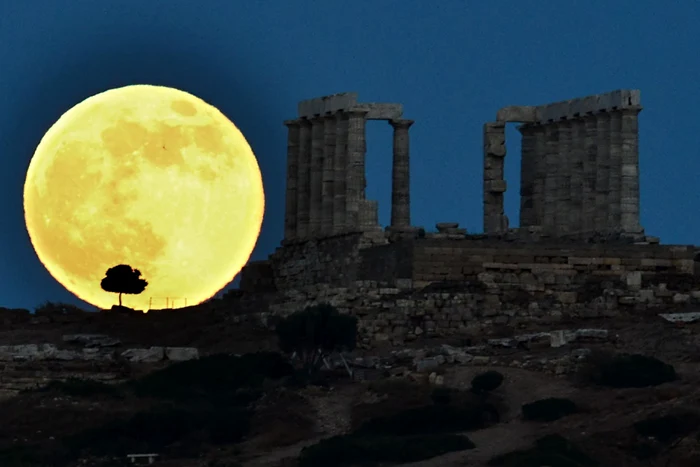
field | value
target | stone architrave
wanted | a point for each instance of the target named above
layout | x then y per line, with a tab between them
602	172
356	166
328	174
290	213
303	179
629	183
400	175
340	169
316	182
615	172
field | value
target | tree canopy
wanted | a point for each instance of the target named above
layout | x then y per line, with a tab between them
123	279
316	332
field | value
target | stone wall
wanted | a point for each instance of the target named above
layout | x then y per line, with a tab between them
427	287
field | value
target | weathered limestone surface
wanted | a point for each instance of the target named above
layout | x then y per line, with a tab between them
579	168
303	179
326	178
400	176
494	183
316	176
328	175
431	287
340	163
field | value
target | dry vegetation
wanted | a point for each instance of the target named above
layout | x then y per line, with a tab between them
260	414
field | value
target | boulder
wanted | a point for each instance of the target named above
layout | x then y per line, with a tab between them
91	340
150	355
180	354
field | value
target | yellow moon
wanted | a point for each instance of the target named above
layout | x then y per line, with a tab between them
148	176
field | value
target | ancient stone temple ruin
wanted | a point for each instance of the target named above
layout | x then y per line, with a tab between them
579	166
579	252
326	178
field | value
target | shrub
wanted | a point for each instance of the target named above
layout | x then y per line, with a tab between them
315	332
79	387
441	396
668	428
352	450
552	451
155	429
630	371
486	382
548	410
238	380
430	419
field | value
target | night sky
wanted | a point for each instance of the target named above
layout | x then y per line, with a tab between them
452	63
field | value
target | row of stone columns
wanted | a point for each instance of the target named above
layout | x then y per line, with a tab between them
326	180
580	175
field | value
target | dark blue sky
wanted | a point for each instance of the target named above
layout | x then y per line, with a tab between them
452	63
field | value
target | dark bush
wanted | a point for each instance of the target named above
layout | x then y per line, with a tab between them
315	332
78	387
669	428
430	419
486	382
237	380
155	429
354	450
441	396
631	371
552	451
548	410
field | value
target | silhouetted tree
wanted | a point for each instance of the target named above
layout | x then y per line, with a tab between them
316	332
123	279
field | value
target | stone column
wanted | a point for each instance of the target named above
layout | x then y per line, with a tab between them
564	215
527	176
328	174
576	164
494	184
629	188
356	166
340	169
551	177
400	175
304	178
540	174
589	174
316	182
615	171
290	212
602	172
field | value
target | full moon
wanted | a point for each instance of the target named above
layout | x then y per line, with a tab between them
148	176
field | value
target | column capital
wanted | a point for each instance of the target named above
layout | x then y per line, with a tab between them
357	112
401	123
291	123
317	119
303	122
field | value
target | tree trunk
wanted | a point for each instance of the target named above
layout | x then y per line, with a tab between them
120	299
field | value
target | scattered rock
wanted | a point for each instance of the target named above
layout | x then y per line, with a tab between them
150	355
180	354
91	340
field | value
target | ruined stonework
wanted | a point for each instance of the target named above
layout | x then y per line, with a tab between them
579	166
578	254
326	178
